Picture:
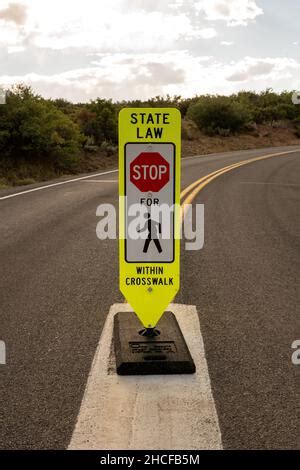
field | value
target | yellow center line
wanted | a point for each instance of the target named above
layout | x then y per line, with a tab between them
194	188
195	183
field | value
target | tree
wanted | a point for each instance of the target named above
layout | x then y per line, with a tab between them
215	114
104	127
33	128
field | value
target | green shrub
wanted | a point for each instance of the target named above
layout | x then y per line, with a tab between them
34	129
103	122
212	113
3	183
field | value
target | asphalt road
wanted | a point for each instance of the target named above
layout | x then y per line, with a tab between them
57	282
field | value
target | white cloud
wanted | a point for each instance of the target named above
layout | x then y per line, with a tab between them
13	13
140	76
106	25
234	12
145	75
15	49
133	48
252	69
206	33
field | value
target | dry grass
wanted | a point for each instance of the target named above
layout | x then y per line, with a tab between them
25	173
196	143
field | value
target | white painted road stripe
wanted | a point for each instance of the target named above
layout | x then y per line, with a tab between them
100	181
57	184
148	412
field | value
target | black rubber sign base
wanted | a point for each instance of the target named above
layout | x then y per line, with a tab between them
163	352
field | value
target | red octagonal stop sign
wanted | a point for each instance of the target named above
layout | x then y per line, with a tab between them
149	171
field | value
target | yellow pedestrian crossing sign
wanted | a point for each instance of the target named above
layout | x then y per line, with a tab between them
149	219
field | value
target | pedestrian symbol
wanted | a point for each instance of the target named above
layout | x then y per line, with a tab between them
154	231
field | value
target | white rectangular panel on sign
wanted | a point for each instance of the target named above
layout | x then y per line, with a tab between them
149	185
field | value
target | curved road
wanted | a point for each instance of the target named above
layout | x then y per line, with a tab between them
58	281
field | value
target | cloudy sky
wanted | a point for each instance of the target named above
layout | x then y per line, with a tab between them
127	49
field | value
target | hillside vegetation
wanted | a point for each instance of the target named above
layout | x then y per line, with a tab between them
41	139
